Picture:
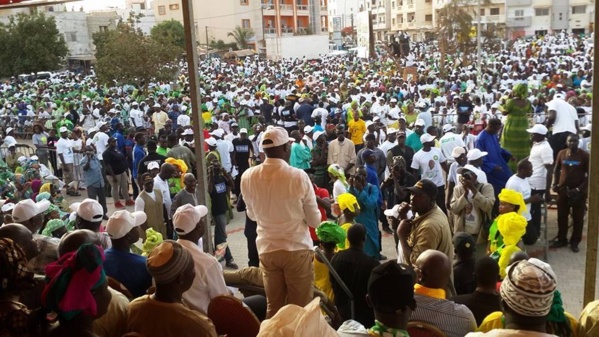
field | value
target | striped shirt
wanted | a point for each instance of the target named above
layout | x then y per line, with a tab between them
455	320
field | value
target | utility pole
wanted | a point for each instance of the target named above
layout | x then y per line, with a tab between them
478	51
590	272
207	44
353	30
198	122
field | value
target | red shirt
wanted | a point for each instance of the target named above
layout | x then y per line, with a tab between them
206	136
321	193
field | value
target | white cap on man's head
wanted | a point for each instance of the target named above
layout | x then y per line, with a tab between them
122	222
153	165
210	141
426	138
187	217
475	154
26	209
538	128
243	130
89	210
458	151
63	129
274	137
218	133
420	122
308	128
448	127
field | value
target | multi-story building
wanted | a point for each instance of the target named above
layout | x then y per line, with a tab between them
534	17
214	20
414	17
345	10
380	11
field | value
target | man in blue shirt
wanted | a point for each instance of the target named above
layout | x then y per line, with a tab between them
120	264
138	153
93	178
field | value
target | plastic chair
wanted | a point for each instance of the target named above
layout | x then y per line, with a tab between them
231	318
423	329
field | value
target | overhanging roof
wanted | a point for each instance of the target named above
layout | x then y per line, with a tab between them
35	3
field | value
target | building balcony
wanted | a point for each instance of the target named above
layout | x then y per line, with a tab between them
324	8
518	3
410	24
521	21
490	19
380	25
287	31
409	6
286	9
302	8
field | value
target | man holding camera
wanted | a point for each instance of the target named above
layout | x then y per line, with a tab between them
92	176
219	185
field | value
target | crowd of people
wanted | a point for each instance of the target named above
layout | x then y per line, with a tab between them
322	157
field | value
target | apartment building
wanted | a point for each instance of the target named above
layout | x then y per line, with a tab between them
344	10
530	17
414	17
267	18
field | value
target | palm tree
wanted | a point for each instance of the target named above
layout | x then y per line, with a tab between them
241	36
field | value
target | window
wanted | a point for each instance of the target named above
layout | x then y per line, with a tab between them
71	36
245	23
579	9
173	7
161	10
519	13
494	11
428	18
103	28
393	21
244	2
541	12
540	32
482	12
142	6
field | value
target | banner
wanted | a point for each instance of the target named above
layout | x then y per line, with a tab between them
363	33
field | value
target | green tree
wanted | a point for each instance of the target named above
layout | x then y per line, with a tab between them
125	55
31	43
241	36
170	33
220	45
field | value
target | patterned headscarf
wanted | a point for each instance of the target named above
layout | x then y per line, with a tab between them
520	90
528	289
47	187
43	196
337	172
347	201
514	198
51	226
153	238
71	280
329	231
14	274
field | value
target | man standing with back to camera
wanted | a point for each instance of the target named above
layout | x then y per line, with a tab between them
281	200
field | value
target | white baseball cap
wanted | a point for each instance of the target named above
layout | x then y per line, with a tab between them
475	154
122	222
63	129
218	133
27	209
187	132
210	141
317	134
447	127
187	217
308	129
156	105
538	128
426	138
89	210
391	131
243	130
274	137
470	168
153	165
7	207
8	130
458	151
420	122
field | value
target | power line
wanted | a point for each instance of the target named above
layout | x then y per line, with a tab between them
222	16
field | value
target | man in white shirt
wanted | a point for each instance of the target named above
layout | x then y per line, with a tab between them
161	183
101	140
281	200
541	158
450	141
136	116
322	113
519	183
225	149
564	121
64	149
387	145
183	120
189	224
431	163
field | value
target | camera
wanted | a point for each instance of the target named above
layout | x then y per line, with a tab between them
467	175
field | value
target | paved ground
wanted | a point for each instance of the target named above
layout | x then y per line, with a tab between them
568	266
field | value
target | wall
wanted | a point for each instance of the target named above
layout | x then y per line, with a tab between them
308	46
74	27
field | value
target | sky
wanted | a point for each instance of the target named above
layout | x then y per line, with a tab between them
97	4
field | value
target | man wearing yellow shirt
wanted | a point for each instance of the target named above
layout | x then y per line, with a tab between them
356	130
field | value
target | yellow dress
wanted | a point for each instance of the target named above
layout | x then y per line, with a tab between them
322	279
345	227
